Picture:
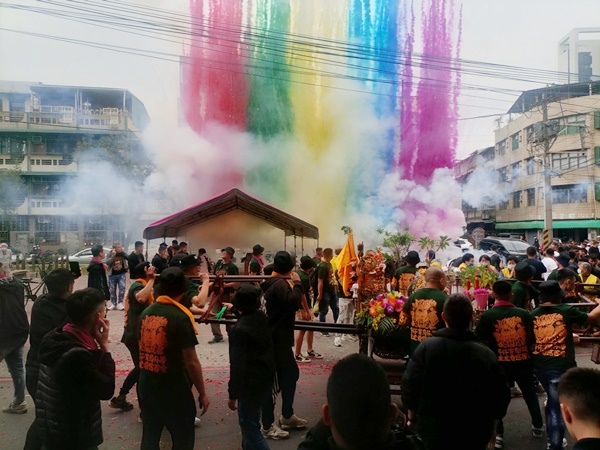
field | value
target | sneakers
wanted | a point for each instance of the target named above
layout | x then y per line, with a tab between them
337	342
216	340
302	359
111	307
537	433
20	408
324	334
314	355
564	444
499	444
123	405
120	307
197	422
515	391
275	433
293	423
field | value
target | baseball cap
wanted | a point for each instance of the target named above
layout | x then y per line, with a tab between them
229	250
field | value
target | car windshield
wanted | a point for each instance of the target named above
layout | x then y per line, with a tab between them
515	246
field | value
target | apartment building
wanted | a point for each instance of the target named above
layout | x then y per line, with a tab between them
573	135
78	154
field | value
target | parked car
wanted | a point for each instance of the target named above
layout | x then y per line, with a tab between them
464	245
507	247
85	256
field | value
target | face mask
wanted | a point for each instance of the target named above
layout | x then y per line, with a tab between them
579	271
511	266
485	264
472	263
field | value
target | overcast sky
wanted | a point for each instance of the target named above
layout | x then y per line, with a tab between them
514	32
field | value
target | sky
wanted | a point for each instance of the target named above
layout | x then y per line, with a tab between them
520	33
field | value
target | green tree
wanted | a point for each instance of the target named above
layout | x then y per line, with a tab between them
398	243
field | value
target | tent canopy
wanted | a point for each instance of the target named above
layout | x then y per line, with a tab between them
170	226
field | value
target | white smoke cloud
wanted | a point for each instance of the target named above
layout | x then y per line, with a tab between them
482	188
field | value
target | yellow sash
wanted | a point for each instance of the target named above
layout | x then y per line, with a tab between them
165	300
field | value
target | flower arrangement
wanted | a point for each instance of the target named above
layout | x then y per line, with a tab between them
382	313
476	277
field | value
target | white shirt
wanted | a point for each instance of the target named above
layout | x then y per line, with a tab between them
550	264
6	257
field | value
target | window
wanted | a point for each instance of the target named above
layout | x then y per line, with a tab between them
531	197
516	170
514	139
570	193
530	166
503	204
502	175
572	124
502	147
516	199
569	160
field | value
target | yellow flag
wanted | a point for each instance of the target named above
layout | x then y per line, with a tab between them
345	263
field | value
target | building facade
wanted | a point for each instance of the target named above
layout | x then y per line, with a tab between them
572	135
579	55
79	161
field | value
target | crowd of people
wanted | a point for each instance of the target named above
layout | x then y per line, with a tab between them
455	390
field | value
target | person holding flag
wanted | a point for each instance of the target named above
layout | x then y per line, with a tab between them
345	263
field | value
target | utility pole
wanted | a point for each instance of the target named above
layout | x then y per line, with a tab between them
548	231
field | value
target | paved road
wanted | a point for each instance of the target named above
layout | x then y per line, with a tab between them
219	428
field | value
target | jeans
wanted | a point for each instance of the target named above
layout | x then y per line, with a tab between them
249	417
287	377
115	281
346	312
522	374
555	427
330	299
16	367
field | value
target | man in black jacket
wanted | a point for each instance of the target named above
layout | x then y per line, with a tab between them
136	257
76	372
14	329
252	365
47	313
283	297
161	259
453	387
97	272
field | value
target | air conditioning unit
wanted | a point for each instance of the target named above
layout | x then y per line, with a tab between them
36	139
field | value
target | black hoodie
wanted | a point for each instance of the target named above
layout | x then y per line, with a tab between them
72	381
457	388
252	364
14	326
97	278
282	299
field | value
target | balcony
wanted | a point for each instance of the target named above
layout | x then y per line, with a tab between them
51	163
45	205
63	117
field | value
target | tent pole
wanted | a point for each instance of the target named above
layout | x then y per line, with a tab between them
302	242
284	242
295	248
146	249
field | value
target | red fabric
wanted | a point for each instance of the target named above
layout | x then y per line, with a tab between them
502	303
82	335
